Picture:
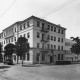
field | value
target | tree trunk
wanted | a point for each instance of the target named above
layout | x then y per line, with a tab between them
17	58
22	60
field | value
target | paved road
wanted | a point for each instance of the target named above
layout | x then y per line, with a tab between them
41	72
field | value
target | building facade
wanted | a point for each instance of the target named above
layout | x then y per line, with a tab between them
43	37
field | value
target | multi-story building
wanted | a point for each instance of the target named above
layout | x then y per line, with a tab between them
43	37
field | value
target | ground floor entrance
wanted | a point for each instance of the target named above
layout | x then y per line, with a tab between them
51	59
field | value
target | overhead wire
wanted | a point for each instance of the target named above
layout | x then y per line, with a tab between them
45	9
7	9
41	8
58	8
52	8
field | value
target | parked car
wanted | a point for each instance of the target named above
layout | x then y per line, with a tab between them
8	61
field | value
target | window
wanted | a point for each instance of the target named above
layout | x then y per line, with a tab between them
38	34
24	35
43	57
48	46
43	36
48	37
12	29
54	46
28	56
61	47
51	46
28	24
4	42
11	39
62	40
51	28
61	56
4	34
62	32
58	47
54	38
58	30
42	24
42	45
14	38
37	45
37	57
48	27
54	29
58	56
20	27
15	29
24	25
28	35
51	37
58	39
38	24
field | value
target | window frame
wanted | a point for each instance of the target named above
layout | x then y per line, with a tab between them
38	35
28	35
38	23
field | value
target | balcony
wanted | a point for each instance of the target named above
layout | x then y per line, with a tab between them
44	50
9	35
44	40
45	30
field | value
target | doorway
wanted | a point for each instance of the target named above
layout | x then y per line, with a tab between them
51	59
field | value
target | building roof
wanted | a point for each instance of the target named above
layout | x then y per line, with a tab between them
13	24
35	18
47	22
69	41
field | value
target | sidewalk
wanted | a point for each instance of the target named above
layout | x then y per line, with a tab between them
4	66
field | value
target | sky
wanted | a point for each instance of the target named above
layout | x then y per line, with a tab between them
63	12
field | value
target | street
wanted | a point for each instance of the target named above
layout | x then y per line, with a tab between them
40	72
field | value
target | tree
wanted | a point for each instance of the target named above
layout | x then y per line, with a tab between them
9	50
75	47
77	40
22	47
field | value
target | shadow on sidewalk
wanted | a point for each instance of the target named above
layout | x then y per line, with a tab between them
3	67
32	65
37	65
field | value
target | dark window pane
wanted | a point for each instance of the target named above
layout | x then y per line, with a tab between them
54	29
28	56
38	24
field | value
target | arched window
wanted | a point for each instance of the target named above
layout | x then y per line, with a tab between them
28	56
